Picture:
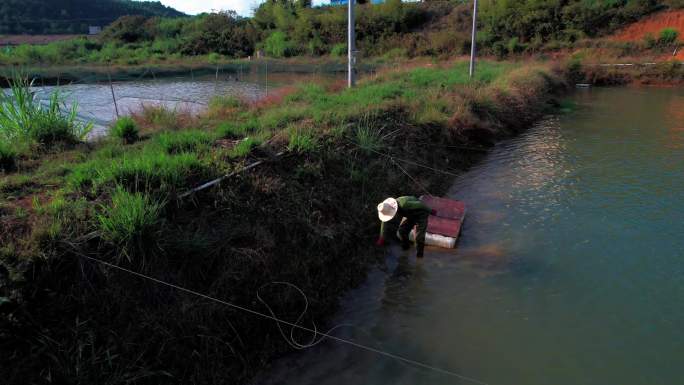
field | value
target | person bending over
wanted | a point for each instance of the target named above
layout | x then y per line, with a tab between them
404	213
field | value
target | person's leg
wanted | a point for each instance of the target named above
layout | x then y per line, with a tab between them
421	229
404	231
391	228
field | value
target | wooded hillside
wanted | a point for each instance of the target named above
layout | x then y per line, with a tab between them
71	16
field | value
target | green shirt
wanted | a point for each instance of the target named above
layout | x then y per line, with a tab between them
409	207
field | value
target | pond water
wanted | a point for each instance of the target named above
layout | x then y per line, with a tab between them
185	93
569	270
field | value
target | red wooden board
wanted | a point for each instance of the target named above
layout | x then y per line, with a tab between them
449	218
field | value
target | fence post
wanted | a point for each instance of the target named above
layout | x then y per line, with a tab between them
216	81
111	87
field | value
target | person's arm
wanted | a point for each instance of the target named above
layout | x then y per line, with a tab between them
381	238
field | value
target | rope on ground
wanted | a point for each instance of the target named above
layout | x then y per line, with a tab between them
292	324
291	338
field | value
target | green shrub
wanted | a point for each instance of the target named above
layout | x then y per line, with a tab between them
668	36
514	46
125	129
499	50
130	223
339	50
277	45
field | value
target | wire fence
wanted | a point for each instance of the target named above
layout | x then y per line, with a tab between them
102	94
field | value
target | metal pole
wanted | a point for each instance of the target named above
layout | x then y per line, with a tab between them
351	43
473	40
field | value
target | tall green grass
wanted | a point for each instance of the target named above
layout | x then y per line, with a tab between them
125	129
25	120
146	170
130	222
184	141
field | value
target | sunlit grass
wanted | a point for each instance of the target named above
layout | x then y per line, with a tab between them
26	120
125	129
184	141
130	222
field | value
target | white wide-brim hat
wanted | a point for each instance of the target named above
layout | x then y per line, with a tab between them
388	209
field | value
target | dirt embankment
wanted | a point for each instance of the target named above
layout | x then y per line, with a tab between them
306	218
653	25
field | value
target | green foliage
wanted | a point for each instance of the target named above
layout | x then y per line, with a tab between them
71	16
128	29
390	30
368	136
301	141
130	223
151	169
277	45
184	141
339	50
125	129
535	23
244	147
237	130
223	33
25	120
668	36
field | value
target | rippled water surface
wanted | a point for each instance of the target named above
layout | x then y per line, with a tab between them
570	268
187	94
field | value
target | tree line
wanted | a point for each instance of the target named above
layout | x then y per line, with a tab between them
283	28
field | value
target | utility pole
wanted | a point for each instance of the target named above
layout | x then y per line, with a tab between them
351	45
473	42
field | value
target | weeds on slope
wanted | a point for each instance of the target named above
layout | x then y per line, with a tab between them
26	120
291	220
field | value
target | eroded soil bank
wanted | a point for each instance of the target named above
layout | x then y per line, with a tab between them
305	217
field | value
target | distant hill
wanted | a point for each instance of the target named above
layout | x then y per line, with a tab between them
71	16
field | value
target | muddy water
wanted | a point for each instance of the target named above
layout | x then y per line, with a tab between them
570	269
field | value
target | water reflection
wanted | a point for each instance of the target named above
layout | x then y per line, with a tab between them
568	270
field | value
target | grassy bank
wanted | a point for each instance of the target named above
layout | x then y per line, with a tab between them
304	217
